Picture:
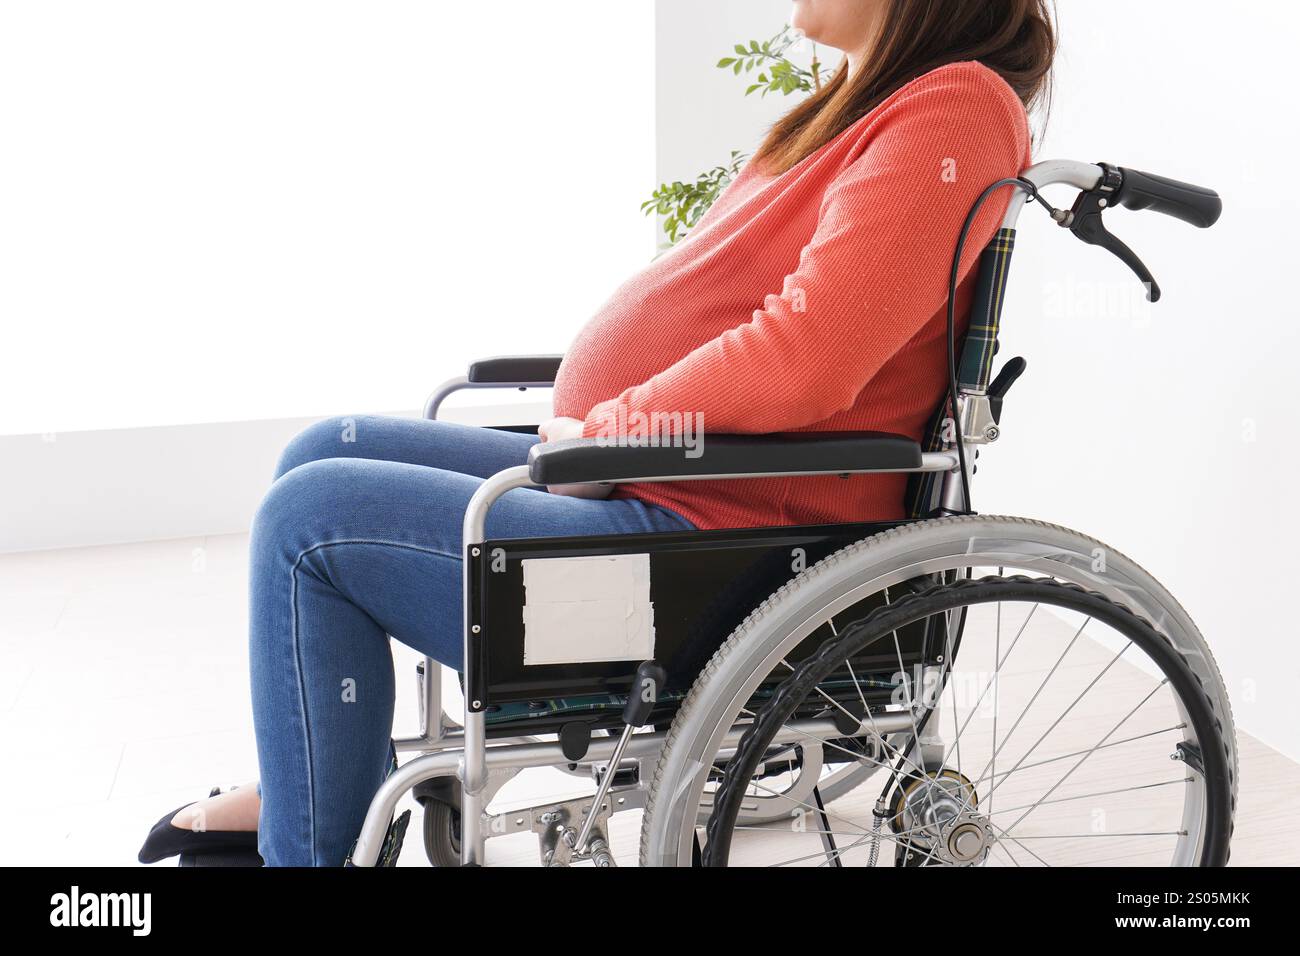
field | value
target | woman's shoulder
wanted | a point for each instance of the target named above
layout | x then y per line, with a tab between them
966	83
964	96
964	102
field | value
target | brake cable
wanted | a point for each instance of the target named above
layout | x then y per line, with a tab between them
1032	190
1084	221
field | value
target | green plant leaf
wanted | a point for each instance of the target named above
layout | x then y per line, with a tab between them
684	205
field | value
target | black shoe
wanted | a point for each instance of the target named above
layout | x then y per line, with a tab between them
166	840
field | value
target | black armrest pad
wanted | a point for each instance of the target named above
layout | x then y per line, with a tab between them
507	369
591	459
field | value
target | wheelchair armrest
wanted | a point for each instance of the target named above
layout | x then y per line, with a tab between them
589	460
514	369
503	371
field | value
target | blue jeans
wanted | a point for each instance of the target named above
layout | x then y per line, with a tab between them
358	539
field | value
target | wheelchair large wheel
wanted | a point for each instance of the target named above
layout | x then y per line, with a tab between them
1126	804
1075	767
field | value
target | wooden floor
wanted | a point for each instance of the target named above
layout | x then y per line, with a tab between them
125	695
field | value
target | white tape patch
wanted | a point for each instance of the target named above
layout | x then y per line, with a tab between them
588	609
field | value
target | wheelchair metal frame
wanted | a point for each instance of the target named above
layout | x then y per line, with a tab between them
446	748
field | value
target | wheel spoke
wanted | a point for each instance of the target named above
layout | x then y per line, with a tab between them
1116	743
992	683
1104	793
1065	713
1034	697
997	670
1088	754
1003	835
1080	836
911	713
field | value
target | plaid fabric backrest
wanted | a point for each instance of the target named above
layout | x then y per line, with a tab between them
974	367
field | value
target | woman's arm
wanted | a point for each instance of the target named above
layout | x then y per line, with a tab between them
874	272
559	429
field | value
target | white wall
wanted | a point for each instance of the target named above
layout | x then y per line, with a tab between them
215	211
223	220
107	486
701	114
1164	429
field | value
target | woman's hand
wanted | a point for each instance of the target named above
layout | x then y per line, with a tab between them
559	429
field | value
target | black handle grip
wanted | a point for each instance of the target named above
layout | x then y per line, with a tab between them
646	688
1195	204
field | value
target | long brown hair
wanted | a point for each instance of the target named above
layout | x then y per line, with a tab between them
1014	38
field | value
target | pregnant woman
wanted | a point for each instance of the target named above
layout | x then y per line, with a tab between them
810	297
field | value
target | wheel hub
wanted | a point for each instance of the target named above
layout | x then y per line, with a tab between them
938	815
968	840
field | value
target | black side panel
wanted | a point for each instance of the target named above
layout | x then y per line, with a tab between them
703	584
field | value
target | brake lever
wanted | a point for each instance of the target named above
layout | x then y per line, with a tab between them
1086	223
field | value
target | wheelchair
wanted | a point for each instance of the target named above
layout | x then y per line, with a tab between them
949	689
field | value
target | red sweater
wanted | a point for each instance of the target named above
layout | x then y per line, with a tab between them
809	301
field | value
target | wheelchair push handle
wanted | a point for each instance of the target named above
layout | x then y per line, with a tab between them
1134	189
1192	204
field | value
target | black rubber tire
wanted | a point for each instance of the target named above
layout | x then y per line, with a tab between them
1215	752
441	833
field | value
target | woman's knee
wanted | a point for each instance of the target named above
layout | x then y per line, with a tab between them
331	438
303	504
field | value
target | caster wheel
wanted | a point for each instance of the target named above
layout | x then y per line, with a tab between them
441	833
